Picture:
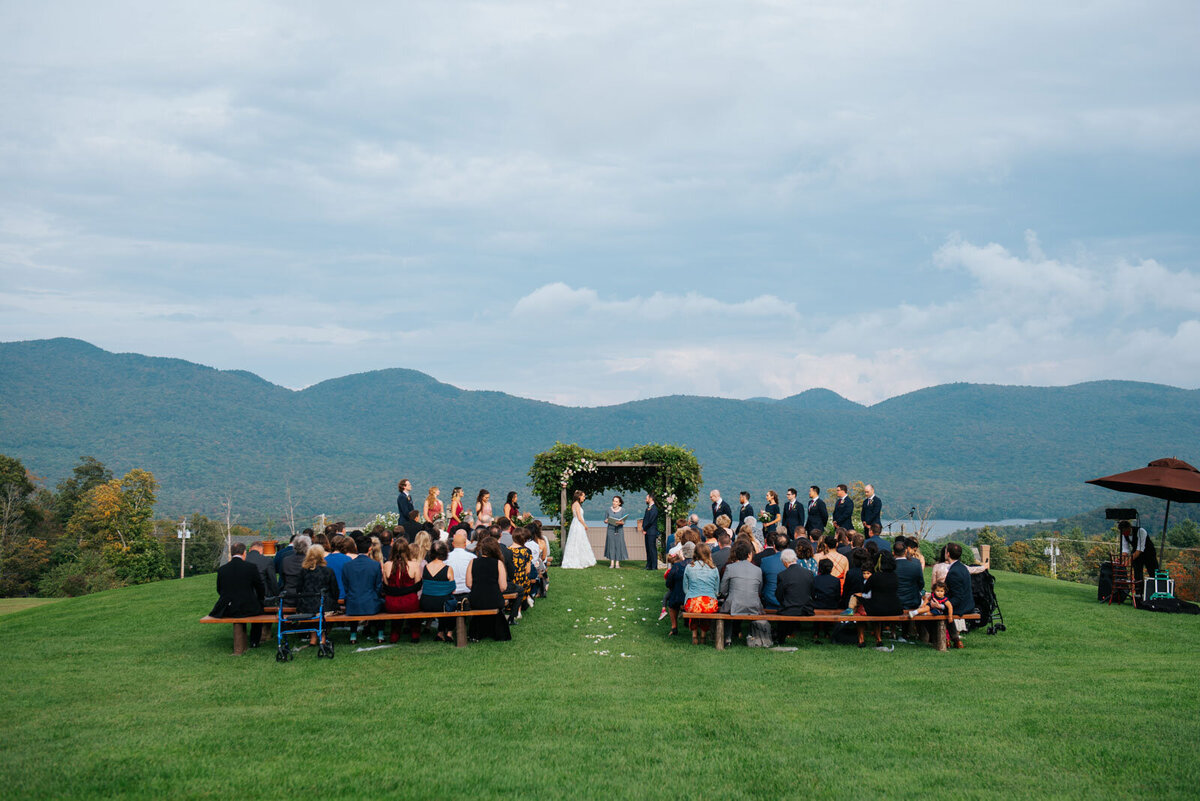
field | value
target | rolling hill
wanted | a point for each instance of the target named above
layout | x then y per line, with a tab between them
973	451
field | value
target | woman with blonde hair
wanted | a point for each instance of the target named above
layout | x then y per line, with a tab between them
700	584
318	585
422	545
431	510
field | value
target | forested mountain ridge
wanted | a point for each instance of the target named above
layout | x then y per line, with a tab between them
973	451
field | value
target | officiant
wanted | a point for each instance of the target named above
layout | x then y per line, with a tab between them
614	542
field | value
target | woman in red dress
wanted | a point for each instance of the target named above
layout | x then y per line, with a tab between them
457	514
402	583
433	507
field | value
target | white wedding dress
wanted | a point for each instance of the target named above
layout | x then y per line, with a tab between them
577	552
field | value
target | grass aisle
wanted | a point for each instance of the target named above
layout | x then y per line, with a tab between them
124	693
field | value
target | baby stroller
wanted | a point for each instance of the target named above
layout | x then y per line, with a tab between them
283	652
983	589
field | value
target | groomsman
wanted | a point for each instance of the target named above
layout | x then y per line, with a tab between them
793	514
843	509
719	507
818	513
404	502
648	526
746	510
872	509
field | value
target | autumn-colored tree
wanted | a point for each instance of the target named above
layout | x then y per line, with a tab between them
117	512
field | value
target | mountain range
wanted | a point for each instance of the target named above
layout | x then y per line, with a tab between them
972	451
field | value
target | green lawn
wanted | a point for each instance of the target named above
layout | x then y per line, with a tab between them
124	693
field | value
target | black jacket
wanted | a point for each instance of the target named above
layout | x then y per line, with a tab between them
792	518
289	573
240	588
266	569
818	515
958	589
315	583
721	509
872	508
843	513
743	513
794	591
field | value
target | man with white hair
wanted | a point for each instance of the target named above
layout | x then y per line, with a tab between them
793	590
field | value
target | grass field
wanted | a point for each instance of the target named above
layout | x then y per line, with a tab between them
123	693
8	605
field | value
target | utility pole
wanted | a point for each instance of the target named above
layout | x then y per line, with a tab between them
184	535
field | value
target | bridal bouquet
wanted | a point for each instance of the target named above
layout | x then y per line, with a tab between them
763	517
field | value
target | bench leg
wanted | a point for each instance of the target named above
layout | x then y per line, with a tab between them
941	634
719	639
460	632
239	639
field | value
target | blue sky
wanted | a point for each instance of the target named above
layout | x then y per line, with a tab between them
593	203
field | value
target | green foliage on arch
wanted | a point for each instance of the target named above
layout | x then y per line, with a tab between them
572	466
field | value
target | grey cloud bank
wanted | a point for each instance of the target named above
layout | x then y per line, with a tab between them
591	204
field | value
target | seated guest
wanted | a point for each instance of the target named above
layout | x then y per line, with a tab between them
338	559
876	537
240	590
724	522
362	583
937	602
720	554
709	532
285	552
401	585
830	551
794	590
323	539
318	587
385	542
741	586
879	596
910	578
772	565
522	576
674	582
804	557
914	551
843	545
266	568
700	583
488	581
826	589
853	583
458	560
958	582
412	526
293	564
767	550
506	529
437	588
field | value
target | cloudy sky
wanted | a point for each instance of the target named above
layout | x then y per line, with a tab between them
593	203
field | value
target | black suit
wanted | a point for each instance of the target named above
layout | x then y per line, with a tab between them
266	569
744	512
721	509
650	533
843	513
794	591
818	515
958	589
404	505
872	509
793	517
240	588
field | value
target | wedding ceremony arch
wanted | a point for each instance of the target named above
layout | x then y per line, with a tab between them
670	473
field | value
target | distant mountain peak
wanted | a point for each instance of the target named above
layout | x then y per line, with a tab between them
819	399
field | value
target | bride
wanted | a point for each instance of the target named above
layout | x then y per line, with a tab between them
578	551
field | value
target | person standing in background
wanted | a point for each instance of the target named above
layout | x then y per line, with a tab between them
843	509
745	510
872	509
648	526
793	514
404	503
719	507
773	515
818	514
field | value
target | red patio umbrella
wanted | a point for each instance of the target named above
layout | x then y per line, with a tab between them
1169	479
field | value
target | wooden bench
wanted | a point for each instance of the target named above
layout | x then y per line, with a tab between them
241	640
826	616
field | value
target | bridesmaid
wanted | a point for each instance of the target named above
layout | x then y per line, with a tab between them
772	509
614	541
511	510
457	514
433	507
483	508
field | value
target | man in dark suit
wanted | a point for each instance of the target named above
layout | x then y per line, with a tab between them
648	526
818	514
793	514
411	527
910	579
241	591
958	582
404	503
719	507
875	535
793	590
745	510
843	509
266	568
872	509
286	551
363	579
720	554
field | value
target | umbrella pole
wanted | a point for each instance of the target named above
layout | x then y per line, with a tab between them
1163	545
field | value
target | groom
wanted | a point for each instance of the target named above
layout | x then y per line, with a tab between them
404	503
648	526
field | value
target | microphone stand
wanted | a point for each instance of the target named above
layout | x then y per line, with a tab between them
910	516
